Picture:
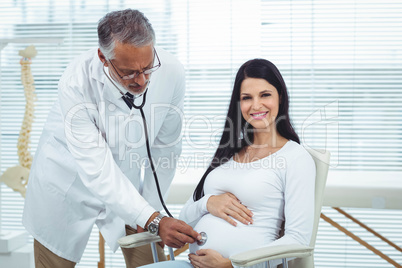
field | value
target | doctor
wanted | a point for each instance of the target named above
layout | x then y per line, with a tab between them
87	168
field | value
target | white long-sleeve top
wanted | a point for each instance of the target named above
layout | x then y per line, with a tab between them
277	188
87	166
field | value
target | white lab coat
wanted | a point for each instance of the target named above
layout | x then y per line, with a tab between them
87	167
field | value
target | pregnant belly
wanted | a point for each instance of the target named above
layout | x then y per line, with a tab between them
228	239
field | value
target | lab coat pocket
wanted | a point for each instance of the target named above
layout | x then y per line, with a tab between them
59	167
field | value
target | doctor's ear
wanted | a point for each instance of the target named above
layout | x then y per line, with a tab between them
102	57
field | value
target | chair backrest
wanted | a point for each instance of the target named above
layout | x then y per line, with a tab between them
321	159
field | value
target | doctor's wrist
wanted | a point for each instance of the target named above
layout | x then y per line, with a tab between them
153	216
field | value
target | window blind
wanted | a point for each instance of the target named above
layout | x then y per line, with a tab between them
341	55
341	60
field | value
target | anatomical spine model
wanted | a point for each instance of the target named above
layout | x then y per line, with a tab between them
17	177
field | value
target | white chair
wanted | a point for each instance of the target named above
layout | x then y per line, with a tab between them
304	257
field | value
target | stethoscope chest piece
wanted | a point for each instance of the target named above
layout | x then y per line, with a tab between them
203	240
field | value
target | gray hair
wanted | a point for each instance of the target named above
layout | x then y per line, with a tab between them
125	26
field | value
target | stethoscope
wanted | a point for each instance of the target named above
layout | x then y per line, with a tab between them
131	103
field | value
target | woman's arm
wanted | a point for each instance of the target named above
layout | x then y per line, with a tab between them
225	206
299	200
192	211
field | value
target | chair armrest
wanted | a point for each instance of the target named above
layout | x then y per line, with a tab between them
255	256
138	239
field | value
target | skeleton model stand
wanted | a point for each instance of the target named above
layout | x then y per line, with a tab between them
14	249
17	177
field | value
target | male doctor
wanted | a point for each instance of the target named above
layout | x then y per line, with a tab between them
87	168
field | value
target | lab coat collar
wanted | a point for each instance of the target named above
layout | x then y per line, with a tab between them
110	93
96	68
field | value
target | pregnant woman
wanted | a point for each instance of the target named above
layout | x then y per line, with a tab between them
260	176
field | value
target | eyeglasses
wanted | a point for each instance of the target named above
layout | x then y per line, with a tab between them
136	73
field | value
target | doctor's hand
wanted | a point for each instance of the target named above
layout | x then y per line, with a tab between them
209	258
226	206
176	233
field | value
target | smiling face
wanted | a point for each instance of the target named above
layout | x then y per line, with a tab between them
129	59
259	103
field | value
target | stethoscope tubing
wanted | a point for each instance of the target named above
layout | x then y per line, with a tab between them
139	107
129	102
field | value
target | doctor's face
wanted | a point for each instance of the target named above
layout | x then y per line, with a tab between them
131	60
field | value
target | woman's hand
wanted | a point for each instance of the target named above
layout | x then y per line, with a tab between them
226	206
209	258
